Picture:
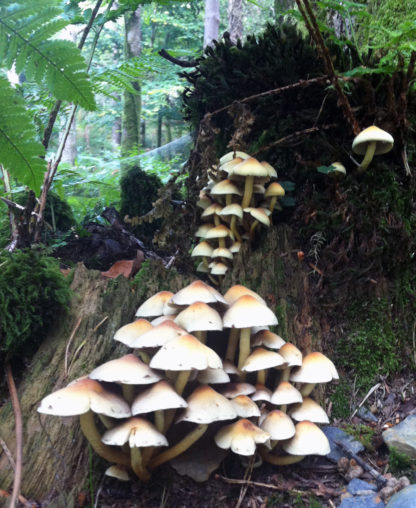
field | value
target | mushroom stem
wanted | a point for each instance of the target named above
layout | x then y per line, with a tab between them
90	431
307	389
128	392
244	352
137	465
368	157
181	381
233	227
252	229
106	421
144	356
217	221
277	460
180	447
248	191
232	345
261	377
201	335
285	375
272	203
214	281
221	243
159	420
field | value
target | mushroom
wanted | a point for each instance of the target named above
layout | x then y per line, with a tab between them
279	425
260	360
197	291
371	141
316	368
274	191
204	250
250	169
242	437
130	332
285	394
309	410
199	318
245	407
156	305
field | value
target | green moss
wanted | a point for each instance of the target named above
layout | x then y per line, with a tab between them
341	400
362	433
400	464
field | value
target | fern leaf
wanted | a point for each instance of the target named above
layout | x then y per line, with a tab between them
20	150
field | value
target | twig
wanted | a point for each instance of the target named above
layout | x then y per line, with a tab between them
8	453
380	480
247	476
182	63
370	391
19	435
71	338
250	483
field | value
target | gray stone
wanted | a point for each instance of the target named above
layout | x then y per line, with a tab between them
335	434
360	487
372	501
366	415
406	498
402	437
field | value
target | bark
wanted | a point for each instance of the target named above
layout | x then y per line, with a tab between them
211	21
235	19
132	102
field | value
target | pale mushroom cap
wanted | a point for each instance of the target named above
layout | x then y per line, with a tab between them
213	209
205	405
250	167
234	209
119	472
384	140
262	359
232	155
274	189
339	168
241	437
128	333
202	268
160	396
245	407
258	214
316	368
261	393
199	316
202	249
309	410
308	440
155	305
222	252
81	396
235	247
258	188
230	368
291	354
272	172
220	231
246	312
219	269
185	353
233	390
227	166
279	425
138	432
128	370
197	291
213	376
268	339
235	292
159	335
162	319
203	229
225	187
286	393
203	202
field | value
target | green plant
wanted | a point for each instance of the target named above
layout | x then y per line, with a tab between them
32	294
400	463
341	400
362	433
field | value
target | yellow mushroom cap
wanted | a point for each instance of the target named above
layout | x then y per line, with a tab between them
205	405
268	339
241	437
156	305
245	407
274	189
291	354
286	393
309	410
159	335
197	291
235	292
130	332
199	316
279	425
261	359
225	187
250	167
383	139
308	440
137	431
246	312
316	368
202	249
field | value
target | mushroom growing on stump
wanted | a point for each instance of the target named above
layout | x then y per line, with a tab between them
199	318
156	305
371	141
242	437
250	169
316	368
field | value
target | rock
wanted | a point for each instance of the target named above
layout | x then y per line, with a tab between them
335	434
127	268
366	415
372	501
402	437
406	498
359	487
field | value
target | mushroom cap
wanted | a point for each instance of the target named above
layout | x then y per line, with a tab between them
162	319
205	405
272	172
279	425
338	168
250	167
286	393
203	229
233	209
261	359
81	396
227	166
259	214
199	316
197	291
246	312
235	292
274	189
230	368
119	472
232	390
219	269
159	335
213	209
235	247
225	187
261	393
291	354
232	155
222	252
202	268
213	376
309	410
202	249
242	437
130	332
220	231
245	407
137	431
160	396
185	352
308	440
156	305
383	139
268	339
316	368
203	202
128	370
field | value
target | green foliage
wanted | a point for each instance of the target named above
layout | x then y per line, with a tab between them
400	463
58	213
341	400
362	433
33	292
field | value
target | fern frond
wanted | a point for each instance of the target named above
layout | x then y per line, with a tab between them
27	28
21	151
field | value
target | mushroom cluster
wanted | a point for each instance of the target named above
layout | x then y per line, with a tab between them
234	203
199	357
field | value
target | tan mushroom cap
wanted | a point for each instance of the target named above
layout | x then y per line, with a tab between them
228	166
232	155
203	202
261	359
245	407
235	247
246	312
233	209
199	316
225	187
308	440
128	370
230	368
260	214
250	167
159	335
205	405
213	376
203	229
232	390
81	396
235	292
316	368
220	231
383	139
272	172
202	268
160	396
268	339
197	291
291	354
163	319
279	425
286	393
261	393
202	249
130	332
119	472
309	410
242	437
156	305
222	252
185	352
274	189
213	209
219	269
137	431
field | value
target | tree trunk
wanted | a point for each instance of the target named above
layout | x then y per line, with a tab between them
211	21
159	129
235	19
132	102
70	151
